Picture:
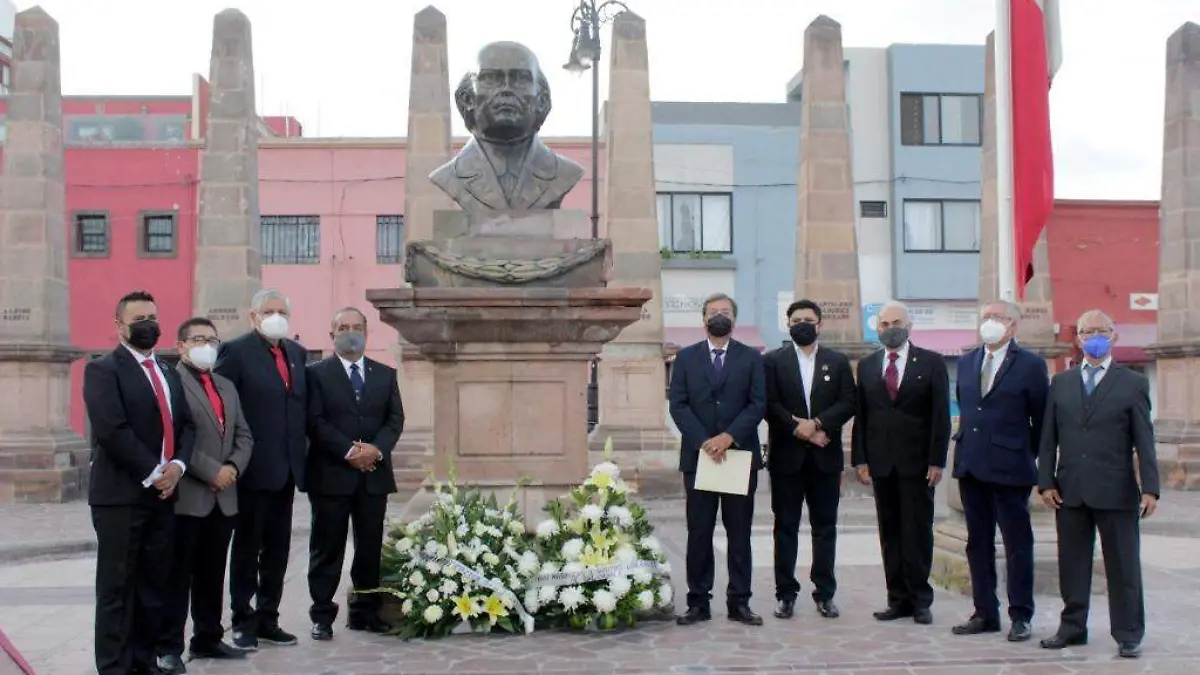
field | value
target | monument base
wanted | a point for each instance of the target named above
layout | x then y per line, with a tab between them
43	468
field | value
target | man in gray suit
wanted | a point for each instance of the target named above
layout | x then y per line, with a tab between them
1096	415
205	510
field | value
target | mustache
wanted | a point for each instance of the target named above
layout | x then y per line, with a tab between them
505	99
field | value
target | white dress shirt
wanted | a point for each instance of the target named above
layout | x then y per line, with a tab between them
808	367
362	372
162	378
997	359
1104	367
712	352
900	362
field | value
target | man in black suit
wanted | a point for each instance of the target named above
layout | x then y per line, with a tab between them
899	443
810	397
355	417
1002	395
1097	415
717	399
268	371
142	436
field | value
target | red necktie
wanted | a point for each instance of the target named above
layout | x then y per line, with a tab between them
214	398
163	409
891	376
282	366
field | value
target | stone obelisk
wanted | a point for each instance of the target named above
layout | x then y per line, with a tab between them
228	267
428	147
632	373
1036	334
1178	349
41	458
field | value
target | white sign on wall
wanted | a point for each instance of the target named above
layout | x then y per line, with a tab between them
925	315
684	292
1145	302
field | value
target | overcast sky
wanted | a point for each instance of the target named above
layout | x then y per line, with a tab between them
341	67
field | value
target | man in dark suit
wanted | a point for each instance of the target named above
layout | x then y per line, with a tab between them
899	443
810	397
205	509
1002	397
268	371
355	417
1088	472
717	399
142	438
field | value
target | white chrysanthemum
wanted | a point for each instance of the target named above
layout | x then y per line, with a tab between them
490	513
479	528
471	556
431	547
651	544
432	614
442	550
458	509
404	545
620	515
528	564
645	600
571	597
531	601
547	529
604	601
433	567
406	607
462	530
620	487
417	579
626	554
572	549
591	513
491	558
549	567
494	531
642	577
547	594
449	571
619	586
516	527
608	468
572	568
449	586
432	595
665	594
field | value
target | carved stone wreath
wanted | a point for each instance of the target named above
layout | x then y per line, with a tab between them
502	271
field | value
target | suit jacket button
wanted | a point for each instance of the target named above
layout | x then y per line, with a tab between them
980	408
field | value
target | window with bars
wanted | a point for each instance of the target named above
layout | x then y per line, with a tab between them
90	235
941	119
157	235
389	239
291	240
695	222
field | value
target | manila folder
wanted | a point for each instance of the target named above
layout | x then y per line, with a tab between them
731	476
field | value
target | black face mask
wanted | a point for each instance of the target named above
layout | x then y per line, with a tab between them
144	334
719	325
804	334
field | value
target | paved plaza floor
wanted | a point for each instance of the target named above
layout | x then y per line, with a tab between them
46	606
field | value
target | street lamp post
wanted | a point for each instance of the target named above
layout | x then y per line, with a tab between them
586	21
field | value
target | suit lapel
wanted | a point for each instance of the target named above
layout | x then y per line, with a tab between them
914	368
1102	388
191	384
478	176
536	175
138	372
729	357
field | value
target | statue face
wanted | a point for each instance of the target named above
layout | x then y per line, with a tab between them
506	91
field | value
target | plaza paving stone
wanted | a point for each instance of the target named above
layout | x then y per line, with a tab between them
46	608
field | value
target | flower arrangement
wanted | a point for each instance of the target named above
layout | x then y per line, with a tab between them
460	565
601	564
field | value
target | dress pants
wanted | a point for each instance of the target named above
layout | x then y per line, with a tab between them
986	505
904	508
737	514
259	558
789	493
1120	544
133	564
198	576
332	517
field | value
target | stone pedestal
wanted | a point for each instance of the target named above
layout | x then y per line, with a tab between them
510	379
41	458
228	268
1178	350
632	370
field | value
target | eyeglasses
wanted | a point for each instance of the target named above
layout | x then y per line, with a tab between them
1092	332
201	340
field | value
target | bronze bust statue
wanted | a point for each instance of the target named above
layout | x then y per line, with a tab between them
505	166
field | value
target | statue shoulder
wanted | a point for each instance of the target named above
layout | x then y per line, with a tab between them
444	174
569	168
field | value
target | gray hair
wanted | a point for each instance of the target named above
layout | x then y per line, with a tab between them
267	294
359	312
1094	314
718	297
896	304
1011	309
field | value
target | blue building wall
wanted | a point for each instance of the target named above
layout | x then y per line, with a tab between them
933	172
765	161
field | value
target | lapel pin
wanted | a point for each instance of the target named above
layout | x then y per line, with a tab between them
826	378
825	368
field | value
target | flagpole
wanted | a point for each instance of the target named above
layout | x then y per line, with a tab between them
1006	249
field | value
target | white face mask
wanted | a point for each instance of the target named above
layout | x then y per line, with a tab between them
203	357
274	327
992	331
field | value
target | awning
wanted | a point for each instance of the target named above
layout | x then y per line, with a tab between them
945	342
1132	340
683	336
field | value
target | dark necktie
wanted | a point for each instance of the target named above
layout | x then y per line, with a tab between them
282	366
356	381
1090	382
214	399
718	360
164	410
891	375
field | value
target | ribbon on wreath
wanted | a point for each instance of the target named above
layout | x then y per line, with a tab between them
599	573
474	576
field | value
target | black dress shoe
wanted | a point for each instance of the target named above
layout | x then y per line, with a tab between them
218	650
170	665
828	609
372	625
786	609
322	632
892	613
275	635
694	615
976	625
1129	650
923	616
1021	631
1060	641
743	614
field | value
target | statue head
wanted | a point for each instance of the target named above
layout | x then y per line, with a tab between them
507	98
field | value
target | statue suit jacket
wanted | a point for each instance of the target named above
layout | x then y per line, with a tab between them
1088	441
214	447
470	180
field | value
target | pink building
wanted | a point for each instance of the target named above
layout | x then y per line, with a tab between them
332	225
